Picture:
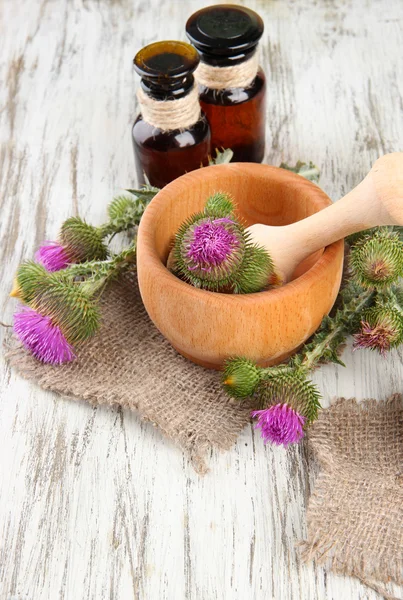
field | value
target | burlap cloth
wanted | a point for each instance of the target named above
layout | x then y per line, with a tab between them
130	364
355	514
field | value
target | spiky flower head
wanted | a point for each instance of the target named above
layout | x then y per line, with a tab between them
256	272
241	377
42	337
61	315
377	261
287	385
82	241
53	256
381	329
68	306
78	242
213	251
209	250
280	424
27	278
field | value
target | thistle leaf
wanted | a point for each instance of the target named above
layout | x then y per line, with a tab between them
222	157
309	171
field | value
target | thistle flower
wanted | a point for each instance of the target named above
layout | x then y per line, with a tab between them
213	251
78	242
241	377
53	256
289	385
381	329
280	424
42	337
60	316
377	261
69	307
209	251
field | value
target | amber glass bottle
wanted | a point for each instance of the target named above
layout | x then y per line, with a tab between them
232	86
171	135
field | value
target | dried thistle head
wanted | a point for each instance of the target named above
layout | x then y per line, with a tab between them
377	261
381	328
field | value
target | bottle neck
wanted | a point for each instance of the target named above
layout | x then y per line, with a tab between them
160	89
213	59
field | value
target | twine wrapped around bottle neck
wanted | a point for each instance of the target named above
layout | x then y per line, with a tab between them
221	78
168	115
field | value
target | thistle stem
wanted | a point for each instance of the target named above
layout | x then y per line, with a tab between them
99	272
348	313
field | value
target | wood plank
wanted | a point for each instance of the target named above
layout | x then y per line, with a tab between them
93	503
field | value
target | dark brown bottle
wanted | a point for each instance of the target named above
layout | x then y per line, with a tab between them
227	36
171	135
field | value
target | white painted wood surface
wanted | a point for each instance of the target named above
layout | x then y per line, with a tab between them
93	503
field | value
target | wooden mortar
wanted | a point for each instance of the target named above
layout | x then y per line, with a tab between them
208	327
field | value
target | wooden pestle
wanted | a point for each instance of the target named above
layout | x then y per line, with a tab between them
376	201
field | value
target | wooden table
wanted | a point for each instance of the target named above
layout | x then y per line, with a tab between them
95	504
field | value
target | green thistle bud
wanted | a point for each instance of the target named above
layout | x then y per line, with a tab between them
68	306
82	242
241	377
119	207
219	204
255	272
377	262
28	277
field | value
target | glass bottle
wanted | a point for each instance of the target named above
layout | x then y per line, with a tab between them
163	148
227	36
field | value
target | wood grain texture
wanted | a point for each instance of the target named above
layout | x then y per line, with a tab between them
93	503
265	327
377	200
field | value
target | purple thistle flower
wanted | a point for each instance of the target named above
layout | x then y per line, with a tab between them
52	256
280	424
43	338
212	243
375	337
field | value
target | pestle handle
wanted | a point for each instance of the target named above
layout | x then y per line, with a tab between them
376	201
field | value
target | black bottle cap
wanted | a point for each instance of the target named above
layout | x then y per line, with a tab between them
224	30
166	68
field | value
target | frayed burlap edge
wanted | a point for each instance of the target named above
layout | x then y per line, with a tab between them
328	541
